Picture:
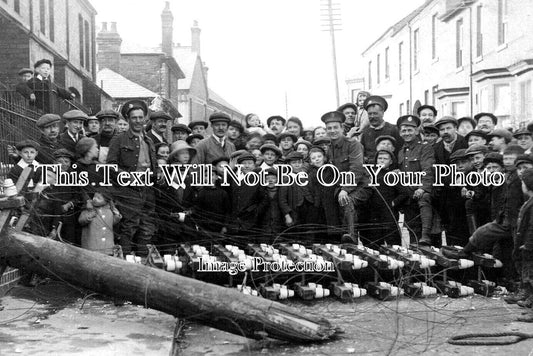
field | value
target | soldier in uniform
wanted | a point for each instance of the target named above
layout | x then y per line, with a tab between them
347	156
416	156
133	151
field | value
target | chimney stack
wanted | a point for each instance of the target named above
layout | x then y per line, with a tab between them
195	37
109	42
167	21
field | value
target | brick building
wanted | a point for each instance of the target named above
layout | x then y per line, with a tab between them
463	57
59	30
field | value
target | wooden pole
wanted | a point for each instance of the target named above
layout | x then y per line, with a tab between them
222	308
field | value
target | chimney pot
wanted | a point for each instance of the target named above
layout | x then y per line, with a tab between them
104	27
114	27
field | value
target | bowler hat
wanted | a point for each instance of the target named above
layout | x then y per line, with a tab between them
376	100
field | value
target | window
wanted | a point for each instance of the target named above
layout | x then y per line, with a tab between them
502	21
459	43
370	75
51	16
81	37
483	103
408	107
434	91
525	100
387	72
378	69
479	35
434	36
401	109
416	45
400	49
502	99
42	14
458	108
426	97
16	6
87	46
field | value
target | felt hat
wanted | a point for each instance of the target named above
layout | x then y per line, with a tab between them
47	120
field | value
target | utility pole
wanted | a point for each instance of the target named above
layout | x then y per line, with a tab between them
286	106
330	16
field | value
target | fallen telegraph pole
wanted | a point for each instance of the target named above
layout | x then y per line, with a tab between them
221	308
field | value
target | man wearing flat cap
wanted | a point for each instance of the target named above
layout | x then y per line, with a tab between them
217	144
416	156
133	151
450	141
198	127
450	203
25	74
376	107
108	122
499	139
524	139
476	137
427	114
158	131
352	125
180	132
42	86
347	156
48	125
276	124
74	120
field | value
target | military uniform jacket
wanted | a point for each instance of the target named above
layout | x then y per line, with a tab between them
124	151
347	156
418	157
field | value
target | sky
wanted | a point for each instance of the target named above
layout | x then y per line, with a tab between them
262	52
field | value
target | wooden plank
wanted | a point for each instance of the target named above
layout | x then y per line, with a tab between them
222	308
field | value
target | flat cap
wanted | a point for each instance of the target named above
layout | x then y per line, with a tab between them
90	118
271	147
430	128
478	133
446	120
376	100
493	157
271	137
40	62
271	171
63	152
194	123
333	116
112	114
523	158
75	115
24	71
220	159
458	155
527	178
467	119
430	107
276	117
286	134
491	115
160	115
47	119
237	153
192	137
506	134
293	156
245	156
301	141
475	149
219	117
180	127
346	106
522	131
385	137
26	143
237	125
410	120
133	105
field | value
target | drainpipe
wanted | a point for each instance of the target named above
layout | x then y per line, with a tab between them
471	80
410	69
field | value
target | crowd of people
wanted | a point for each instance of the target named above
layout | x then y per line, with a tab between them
477	217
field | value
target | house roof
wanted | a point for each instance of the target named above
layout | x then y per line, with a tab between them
218	99
119	87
